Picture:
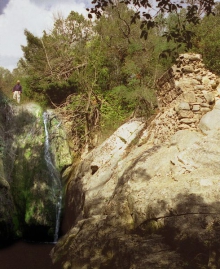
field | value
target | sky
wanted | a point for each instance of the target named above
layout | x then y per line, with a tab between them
33	15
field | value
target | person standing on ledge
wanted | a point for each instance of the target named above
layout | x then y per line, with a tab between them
17	90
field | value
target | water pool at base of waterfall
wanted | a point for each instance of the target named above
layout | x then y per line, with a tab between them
24	255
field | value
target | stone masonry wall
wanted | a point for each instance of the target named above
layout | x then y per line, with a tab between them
185	93
167	89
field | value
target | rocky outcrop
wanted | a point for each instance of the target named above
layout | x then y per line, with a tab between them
149	196
59	143
7	208
32	187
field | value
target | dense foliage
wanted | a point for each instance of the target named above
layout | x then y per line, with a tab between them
206	41
98	73
6	81
147	11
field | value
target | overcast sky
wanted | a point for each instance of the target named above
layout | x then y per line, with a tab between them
33	15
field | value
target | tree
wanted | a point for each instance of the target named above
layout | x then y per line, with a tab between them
6	81
50	60
207	40
66	40
147	12
97	74
128	65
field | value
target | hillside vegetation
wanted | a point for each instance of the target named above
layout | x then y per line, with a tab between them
99	73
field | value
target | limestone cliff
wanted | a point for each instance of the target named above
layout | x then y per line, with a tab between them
29	188
7	207
148	197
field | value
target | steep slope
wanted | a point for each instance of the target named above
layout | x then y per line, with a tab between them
7	208
148	197
34	155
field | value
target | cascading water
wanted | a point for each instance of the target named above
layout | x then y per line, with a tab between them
57	186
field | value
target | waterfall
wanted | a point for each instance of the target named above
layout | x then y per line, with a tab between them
57	186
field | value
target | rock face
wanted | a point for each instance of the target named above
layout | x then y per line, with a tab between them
29	185
7	207
149	196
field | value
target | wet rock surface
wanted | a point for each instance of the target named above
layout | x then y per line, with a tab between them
29	190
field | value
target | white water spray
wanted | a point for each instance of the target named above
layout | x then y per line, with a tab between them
57	187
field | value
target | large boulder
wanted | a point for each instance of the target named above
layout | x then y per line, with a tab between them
151	201
159	208
211	120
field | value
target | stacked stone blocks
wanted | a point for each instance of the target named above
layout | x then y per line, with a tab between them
185	93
